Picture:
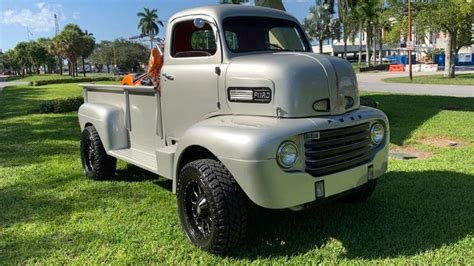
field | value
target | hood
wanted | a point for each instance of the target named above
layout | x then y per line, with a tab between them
296	82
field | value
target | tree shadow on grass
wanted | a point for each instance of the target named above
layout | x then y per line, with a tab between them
21	100
35	139
408	112
410	212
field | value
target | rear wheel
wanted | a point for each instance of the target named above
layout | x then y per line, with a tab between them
212	207
95	161
362	193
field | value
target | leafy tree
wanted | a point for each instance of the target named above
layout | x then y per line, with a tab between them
454	18
102	55
49	60
22	58
129	56
10	61
321	24
37	55
149	22
122	53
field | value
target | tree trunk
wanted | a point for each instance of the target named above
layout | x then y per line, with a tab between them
60	64
381	46
449	67
368	41
345	46
76	68
320	46
83	66
375	45
360	44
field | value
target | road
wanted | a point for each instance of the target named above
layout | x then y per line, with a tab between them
4	83
373	82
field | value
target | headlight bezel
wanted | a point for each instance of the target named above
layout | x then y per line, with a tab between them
380	128
279	154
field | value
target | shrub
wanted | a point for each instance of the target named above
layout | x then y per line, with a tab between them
46	107
62	105
12	78
74	80
367	101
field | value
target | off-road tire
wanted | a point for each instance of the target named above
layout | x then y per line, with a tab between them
362	193
227	206
95	161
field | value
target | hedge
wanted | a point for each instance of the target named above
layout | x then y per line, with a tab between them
74	80
12	78
62	105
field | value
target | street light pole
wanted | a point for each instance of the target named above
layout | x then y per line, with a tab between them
410	46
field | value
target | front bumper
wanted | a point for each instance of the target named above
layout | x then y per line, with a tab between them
267	185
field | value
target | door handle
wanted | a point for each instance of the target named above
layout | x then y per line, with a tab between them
168	76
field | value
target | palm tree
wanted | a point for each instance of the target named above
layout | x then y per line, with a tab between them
320	24
345	10
149	22
87	48
69	45
367	13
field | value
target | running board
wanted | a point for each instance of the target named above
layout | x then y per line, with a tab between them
137	157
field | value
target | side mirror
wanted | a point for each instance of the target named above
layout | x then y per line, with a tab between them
199	23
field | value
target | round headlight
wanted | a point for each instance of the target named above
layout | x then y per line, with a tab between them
377	133
287	154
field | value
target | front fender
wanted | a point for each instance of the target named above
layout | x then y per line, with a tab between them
253	139
109	122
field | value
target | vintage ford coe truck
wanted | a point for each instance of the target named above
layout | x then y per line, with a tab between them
245	113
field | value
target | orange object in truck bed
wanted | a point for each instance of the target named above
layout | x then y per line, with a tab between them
152	76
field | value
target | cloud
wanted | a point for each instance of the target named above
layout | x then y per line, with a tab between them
76	15
39	19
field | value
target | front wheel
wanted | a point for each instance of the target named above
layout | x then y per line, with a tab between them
211	205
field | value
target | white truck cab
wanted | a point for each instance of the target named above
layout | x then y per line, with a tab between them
245	113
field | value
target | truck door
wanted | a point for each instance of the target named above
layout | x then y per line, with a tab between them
188	77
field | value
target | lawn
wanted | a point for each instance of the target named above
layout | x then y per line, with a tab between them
461	79
422	211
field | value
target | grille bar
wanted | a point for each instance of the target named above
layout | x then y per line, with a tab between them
337	149
318	153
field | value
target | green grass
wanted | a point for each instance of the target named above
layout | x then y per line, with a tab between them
461	79
34	78
422	211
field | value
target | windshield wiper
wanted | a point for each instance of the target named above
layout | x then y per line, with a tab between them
274	45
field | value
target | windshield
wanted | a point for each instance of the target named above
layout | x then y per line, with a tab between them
248	34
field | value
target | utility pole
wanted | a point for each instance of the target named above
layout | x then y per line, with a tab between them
410	42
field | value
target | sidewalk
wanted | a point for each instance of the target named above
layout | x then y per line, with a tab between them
373	82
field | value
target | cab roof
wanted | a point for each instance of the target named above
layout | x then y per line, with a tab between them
222	11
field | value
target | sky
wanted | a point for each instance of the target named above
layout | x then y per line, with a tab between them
23	20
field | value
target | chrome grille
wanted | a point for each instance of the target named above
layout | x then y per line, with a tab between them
335	150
